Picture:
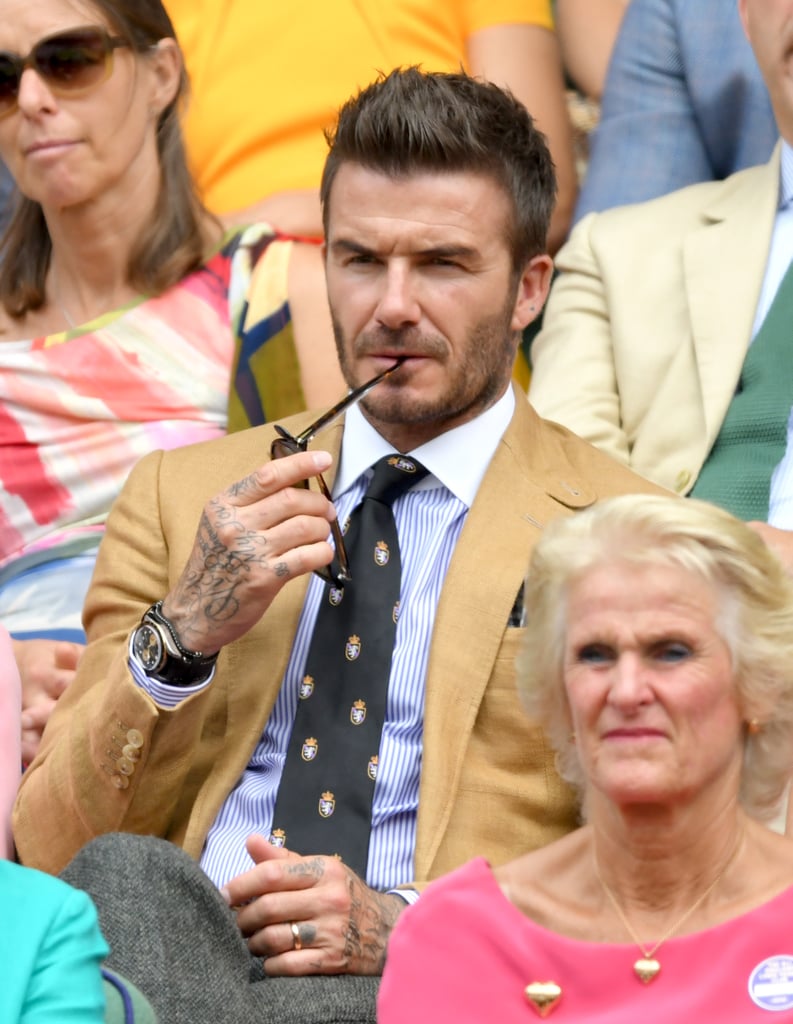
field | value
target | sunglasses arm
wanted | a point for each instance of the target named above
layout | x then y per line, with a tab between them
325	420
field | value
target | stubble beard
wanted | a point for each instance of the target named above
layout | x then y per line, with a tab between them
488	358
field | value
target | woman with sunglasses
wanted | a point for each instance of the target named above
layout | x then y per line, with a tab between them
123	307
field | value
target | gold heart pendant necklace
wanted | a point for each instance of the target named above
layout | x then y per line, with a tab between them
648	967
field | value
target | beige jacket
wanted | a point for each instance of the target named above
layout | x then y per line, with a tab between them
487	784
647	327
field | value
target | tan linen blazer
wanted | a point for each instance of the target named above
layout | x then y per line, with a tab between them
647	327
488	785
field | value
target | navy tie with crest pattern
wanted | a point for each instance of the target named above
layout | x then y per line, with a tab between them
324	802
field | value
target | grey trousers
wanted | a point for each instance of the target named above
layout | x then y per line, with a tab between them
173	936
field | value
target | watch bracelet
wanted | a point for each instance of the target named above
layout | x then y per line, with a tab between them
195	656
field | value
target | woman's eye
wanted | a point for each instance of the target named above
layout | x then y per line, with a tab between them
672	652
595	654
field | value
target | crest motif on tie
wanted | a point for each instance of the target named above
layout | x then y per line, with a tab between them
306	687
403	464
327	804
395	613
335	594
309	749
345	525
352	648
358	712
371	768
381	553
278	837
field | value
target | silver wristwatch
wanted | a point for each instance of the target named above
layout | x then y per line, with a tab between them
157	650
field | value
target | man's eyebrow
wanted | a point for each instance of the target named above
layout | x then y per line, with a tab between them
464	252
349	246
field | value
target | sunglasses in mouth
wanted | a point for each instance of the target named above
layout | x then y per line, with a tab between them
338	572
70	62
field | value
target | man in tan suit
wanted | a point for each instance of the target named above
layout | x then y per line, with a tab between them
648	325
437	194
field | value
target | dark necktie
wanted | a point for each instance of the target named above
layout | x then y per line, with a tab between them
753	437
324	802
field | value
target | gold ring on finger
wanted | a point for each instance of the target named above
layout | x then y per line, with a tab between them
297	942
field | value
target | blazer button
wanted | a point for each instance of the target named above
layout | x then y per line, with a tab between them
133	753
135	738
683	480
125	766
120	781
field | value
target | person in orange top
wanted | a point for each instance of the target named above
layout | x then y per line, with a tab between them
268	78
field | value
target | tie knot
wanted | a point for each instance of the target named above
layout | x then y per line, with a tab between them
393	475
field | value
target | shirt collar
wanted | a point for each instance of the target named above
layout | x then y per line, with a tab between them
786	176
458	459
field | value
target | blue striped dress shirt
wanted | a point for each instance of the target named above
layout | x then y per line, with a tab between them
429	520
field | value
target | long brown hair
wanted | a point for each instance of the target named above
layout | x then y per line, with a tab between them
171	244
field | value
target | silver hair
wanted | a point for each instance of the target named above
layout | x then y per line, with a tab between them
754	597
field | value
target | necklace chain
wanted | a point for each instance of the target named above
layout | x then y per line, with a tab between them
56	295
648	953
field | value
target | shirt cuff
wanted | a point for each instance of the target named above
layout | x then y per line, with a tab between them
408	895
163	694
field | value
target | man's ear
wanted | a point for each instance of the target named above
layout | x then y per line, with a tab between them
165	62
533	286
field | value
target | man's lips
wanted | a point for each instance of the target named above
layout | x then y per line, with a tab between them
392	357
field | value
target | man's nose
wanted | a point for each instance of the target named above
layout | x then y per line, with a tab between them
398	305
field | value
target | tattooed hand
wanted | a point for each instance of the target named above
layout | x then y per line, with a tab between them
341	925
251	539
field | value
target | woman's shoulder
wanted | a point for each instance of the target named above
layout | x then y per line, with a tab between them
37	904
467	889
30	888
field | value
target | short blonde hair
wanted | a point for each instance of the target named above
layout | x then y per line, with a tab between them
754	595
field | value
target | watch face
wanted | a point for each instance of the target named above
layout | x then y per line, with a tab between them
147	647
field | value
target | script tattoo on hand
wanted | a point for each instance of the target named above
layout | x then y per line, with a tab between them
226	552
372	917
365	932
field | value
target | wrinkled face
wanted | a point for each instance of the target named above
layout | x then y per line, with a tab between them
65	150
650	687
769	27
421	267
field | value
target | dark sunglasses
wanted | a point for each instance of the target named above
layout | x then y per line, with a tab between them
338	572
70	62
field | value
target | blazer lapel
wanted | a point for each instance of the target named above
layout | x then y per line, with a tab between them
735	238
515	499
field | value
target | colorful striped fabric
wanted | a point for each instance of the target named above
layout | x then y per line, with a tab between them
77	409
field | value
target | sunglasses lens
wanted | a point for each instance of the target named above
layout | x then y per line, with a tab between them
282	447
337	572
9	81
74	60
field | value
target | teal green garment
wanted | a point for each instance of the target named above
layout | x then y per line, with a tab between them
51	950
142	1011
752	439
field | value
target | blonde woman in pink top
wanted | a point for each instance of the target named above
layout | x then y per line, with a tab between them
658	660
